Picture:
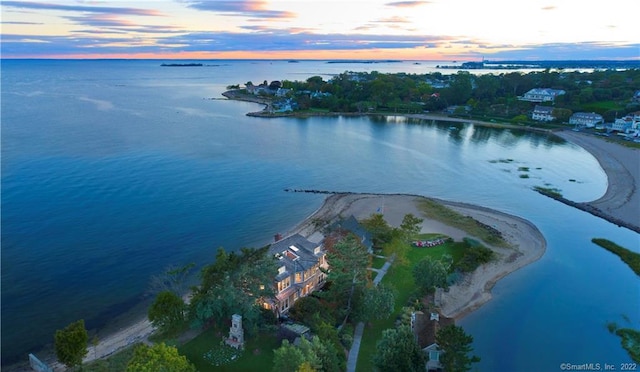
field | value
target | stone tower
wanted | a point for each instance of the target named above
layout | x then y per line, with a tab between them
236	333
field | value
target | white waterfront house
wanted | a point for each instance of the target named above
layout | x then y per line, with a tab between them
542	113
586	119
541	95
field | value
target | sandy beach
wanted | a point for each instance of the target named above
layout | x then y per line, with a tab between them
475	289
621	164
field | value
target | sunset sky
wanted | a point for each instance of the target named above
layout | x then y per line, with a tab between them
330	29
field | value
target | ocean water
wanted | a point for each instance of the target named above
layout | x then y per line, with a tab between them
113	171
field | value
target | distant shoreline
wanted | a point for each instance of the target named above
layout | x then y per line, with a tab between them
620	203
234	95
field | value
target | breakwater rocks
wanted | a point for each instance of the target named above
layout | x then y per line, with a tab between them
311	191
590	209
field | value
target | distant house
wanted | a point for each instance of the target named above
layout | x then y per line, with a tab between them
623	125
542	113
353	226
636	96
282	92
586	119
299	274
542	95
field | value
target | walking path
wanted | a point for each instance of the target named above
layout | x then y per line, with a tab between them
352	359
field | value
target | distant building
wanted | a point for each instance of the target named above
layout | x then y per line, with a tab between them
542	113
542	95
299	271
624	125
353	226
586	119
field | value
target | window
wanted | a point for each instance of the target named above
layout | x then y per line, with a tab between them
298	277
434	355
284	284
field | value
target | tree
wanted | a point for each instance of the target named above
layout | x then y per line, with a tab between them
173	279
378	303
234	283
410	226
289	358
349	261
314	355
70	344
398	350
379	228
158	357
429	274
456	346
167	311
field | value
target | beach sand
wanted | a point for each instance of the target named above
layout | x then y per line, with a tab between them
622	166
475	288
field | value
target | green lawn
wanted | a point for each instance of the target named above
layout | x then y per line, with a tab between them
434	210
257	356
377	262
401	278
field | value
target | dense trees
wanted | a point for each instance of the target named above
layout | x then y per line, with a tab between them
234	283
158	357
167	311
604	92
314	355
70	344
398	350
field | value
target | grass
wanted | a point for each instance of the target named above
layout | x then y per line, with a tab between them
377	262
400	277
548	191
206	350
629	257
440	212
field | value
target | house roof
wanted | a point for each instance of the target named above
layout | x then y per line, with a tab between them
352	225
543	109
295	253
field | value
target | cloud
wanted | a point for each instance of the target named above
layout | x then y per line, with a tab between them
244	8
284	40
561	51
394	19
264	40
19	23
407	4
81	8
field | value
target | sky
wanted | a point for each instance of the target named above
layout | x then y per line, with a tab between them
442	30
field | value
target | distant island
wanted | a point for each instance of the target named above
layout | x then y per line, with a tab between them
182	65
515	65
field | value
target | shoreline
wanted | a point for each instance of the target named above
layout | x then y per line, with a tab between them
528	243
476	294
621	164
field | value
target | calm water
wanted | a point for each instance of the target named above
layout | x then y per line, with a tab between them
114	170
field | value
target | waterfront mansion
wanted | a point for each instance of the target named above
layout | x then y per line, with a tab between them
299	271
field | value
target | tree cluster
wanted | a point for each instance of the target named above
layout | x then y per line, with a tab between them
606	92
234	283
